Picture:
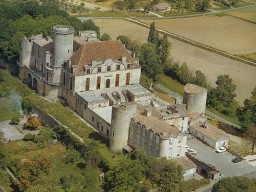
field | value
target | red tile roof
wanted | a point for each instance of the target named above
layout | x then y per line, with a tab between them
100	51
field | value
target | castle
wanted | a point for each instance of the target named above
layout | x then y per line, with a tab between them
99	80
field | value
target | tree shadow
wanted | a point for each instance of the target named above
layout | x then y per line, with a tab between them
97	137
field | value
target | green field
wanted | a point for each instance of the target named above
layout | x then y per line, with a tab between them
248	13
171	84
65	116
8	109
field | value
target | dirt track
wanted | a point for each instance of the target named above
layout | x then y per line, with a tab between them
211	64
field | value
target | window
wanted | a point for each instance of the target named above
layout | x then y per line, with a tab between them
108	68
92	119
170	141
157	139
98	125
118	67
117	80
87	84
98	82
107	83
85	106
107	132
113	134
88	71
99	69
64	78
71	84
127	78
101	128
128	66
47	64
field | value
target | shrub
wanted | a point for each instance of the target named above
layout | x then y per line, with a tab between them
15	121
29	137
32	123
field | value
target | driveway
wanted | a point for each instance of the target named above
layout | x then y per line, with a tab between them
222	161
10	132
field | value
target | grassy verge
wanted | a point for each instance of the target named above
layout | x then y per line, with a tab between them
193	184
228	118
62	114
7	114
251	56
172	84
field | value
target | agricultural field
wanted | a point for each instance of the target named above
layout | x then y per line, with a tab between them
225	33
209	63
247	13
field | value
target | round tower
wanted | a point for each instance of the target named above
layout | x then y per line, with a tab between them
26	50
121	117
63	43
195	98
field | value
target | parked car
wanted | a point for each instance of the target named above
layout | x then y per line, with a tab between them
192	151
237	159
221	150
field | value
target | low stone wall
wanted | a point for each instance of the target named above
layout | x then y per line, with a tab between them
51	122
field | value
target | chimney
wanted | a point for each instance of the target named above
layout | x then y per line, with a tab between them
147	112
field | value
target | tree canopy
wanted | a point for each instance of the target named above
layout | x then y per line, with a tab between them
235	184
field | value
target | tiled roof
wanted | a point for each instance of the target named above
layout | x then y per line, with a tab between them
210	132
186	163
157	126
100	51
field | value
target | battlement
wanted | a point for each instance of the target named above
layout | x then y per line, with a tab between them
63	29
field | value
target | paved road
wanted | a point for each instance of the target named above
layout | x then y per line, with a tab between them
222	161
180	98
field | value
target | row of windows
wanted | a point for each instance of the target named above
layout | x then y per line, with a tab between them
107	85
88	71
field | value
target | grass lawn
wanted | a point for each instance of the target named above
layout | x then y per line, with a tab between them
62	114
171	84
231	119
8	109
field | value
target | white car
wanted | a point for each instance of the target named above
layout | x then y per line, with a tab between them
192	151
221	150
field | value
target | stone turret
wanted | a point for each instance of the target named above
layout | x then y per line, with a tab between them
195	98
121	117
63	37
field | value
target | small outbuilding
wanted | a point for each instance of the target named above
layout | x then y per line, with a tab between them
161	7
188	166
209	134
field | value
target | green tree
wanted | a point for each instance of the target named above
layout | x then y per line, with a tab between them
184	75
124	177
247	113
90	25
152	36
105	37
200	79
149	61
166	174
235	184
188	4
202	5
223	95
163	49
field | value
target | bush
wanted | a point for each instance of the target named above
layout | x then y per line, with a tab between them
32	123
15	121
29	137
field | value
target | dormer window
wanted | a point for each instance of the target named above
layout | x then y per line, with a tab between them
108	68
118	67
128	66
99	69
88	71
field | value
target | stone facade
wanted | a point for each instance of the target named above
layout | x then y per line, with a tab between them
99	80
